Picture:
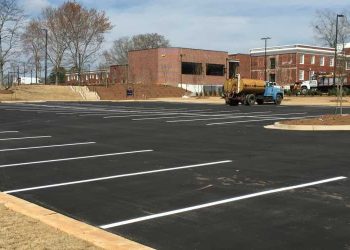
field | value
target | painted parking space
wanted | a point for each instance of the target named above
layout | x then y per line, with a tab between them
211	186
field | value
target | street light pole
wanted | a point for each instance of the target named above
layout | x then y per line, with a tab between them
45	55
335	58
181	55
265	39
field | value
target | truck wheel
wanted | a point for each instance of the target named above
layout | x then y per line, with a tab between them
233	103
250	100
278	99
304	91
260	101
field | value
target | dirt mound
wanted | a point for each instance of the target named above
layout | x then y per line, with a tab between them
140	91
40	93
5	91
322	120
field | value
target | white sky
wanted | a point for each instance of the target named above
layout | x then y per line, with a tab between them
229	25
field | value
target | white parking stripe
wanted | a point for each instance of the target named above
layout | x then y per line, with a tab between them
117	176
74	158
267	119
97	109
47	146
216	203
24	138
155	114
187	116
233	117
10	131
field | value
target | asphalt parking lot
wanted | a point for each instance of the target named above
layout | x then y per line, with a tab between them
182	176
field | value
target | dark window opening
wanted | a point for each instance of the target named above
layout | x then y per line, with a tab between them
233	69
190	68
215	69
272	63
272	78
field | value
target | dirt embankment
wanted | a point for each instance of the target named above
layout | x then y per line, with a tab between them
39	93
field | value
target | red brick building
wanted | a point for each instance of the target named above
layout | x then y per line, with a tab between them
292	63
88	77
118	73
191	69
239	64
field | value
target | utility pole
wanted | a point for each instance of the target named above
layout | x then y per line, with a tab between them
17	74
265	39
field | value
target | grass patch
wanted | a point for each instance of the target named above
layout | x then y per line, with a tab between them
21	232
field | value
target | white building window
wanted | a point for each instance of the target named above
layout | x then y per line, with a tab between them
322	61
301	75
331	62
301	59
313	59
96	76
68	78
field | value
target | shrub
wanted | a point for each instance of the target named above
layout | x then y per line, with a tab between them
332	91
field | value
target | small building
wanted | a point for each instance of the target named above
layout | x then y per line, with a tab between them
292	63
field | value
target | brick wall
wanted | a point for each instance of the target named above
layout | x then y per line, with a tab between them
163	65
244	68
118	73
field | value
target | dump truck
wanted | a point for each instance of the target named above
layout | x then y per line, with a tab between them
249	91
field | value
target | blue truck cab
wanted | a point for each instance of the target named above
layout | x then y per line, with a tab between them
273	93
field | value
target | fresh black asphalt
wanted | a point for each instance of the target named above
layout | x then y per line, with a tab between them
315	217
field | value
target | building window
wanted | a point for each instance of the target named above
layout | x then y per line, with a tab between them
68	78
312	75
191	68
322	61
347	66
313	59
301	59
331	62
215	69
272	63
301	75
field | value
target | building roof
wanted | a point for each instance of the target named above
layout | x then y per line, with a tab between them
296	48
180	48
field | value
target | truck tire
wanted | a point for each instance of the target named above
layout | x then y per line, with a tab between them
304	91
250	100
233	102
260	101
278	99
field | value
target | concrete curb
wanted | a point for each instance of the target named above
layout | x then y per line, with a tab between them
94	235
281	126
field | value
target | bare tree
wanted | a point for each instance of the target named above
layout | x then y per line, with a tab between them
56	38
84	31
11	20
324	27
149	41
33	44
118	54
